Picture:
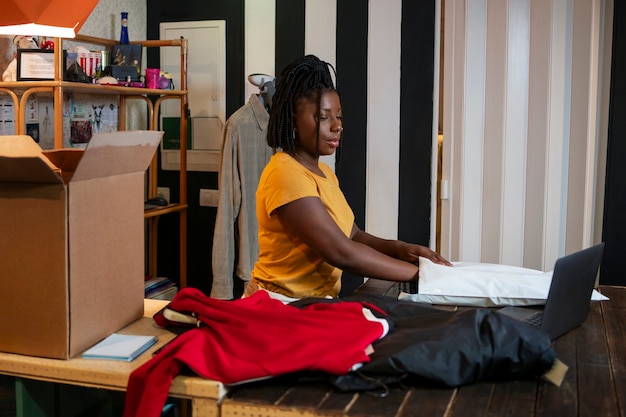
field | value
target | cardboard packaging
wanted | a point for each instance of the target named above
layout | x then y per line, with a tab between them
89	62
71	241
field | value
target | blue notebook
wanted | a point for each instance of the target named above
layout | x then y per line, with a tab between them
121	347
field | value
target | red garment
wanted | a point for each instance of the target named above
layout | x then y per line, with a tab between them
252	338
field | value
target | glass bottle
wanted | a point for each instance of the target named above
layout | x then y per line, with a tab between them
124	35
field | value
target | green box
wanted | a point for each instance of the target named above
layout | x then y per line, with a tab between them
171	137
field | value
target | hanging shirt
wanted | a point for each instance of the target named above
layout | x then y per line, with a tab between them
243	156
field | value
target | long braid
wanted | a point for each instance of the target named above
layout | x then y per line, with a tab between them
307	77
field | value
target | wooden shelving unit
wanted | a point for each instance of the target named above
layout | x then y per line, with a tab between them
20	91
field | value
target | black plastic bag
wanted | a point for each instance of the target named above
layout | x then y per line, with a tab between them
447	348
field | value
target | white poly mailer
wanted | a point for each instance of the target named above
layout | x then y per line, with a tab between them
482	285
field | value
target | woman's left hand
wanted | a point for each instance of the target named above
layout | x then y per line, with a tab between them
413	252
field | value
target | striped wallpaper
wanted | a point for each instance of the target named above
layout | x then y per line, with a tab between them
524	135
388	100
522	132
387	96
520	118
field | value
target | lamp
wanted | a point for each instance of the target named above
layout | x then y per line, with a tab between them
50	18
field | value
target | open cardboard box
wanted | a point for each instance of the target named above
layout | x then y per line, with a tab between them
71	241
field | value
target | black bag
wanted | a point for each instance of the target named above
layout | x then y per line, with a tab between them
447	348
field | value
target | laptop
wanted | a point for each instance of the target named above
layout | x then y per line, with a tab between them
568	299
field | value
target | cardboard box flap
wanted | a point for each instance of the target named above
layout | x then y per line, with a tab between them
66	160
21	160
109	154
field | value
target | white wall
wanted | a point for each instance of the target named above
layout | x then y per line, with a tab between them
383	108
320	39
260	40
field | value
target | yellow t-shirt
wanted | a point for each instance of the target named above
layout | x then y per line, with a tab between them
285	264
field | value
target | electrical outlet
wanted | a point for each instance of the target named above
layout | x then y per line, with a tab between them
164	192
209	198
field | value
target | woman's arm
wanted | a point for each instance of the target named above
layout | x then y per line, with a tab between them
307	219
398	249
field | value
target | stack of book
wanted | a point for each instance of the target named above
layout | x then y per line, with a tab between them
160	288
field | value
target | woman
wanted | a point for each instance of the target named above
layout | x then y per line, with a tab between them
307	234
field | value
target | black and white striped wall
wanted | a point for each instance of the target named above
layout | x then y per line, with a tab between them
384	54
523	113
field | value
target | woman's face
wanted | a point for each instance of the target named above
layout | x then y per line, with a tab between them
330	122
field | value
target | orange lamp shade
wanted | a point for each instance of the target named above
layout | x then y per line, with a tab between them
53	18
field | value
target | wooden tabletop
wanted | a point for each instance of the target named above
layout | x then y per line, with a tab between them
595	384
108	374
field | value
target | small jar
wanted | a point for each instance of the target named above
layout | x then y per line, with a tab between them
166	82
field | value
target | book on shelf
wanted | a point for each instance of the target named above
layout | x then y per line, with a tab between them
160	288
167	294
121	347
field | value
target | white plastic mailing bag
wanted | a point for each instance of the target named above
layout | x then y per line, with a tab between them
482	285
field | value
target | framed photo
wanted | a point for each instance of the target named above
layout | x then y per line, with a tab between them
81	131
127	55
32	130
35	65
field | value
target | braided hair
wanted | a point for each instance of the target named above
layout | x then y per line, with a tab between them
306	77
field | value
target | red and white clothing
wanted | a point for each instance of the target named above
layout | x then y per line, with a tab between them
253	338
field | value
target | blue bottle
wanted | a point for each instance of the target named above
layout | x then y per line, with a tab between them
124	35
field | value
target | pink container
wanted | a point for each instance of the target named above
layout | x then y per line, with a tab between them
152	77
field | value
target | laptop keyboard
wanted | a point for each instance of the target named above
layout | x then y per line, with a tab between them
534	319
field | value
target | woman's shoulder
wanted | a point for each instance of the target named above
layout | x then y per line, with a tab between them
281	157
281	166
278	158
284	180
285	165
282	161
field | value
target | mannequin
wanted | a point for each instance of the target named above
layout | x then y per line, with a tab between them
267	91
243	156
267	88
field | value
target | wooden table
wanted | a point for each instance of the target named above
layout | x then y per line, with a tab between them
113	375
595	384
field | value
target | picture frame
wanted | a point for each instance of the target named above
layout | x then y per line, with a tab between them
35	65
128	55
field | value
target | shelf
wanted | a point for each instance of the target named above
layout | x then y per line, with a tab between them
20	91
75	87
159	211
